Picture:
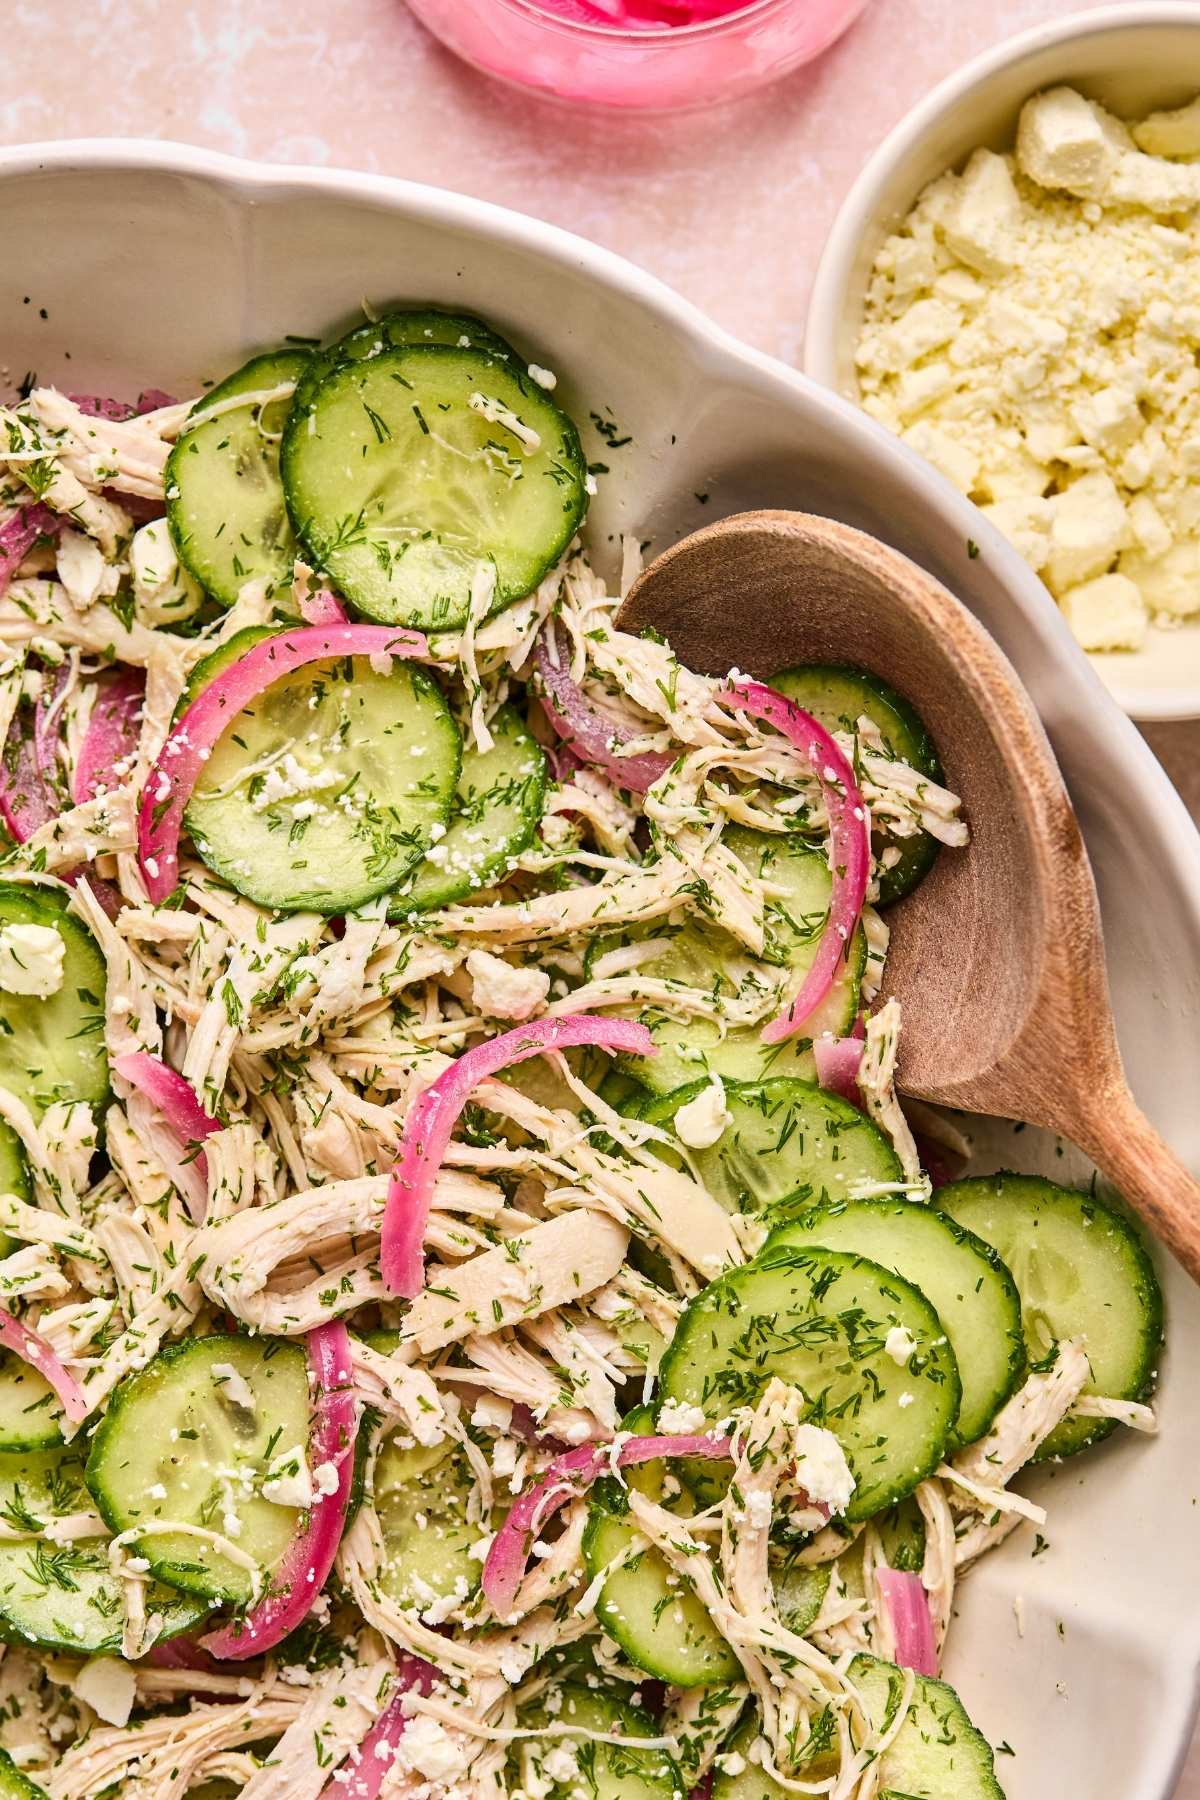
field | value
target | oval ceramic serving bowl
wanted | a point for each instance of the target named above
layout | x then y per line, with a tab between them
129	265
1133	58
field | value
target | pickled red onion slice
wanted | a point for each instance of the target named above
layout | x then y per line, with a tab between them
594	738
849	849
435	1112
566	1478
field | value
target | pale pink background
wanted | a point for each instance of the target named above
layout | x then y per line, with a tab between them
730	207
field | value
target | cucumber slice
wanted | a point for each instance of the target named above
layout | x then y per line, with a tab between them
839	697
53	1049
401	490
40	1485
64	1597
225	508
819	1319
1082	1272
937	1754
661	1626
398	330
14	1176
175	1427
384	752
800	1590
962	1277
606	1771
14	1171
493	817
15	1784
789	1143
31	1417
700	955
421	1496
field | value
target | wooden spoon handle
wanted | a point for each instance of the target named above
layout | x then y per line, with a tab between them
1125	1147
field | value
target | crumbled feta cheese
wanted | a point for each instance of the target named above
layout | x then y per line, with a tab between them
31	960
109	1686
678	1418
561	1764
288	779
701	1122
1033	330
492	1413
1107	613
899	1344
759	1509
233	1387
504	1455
821	1467
325	1479
545	378
1063	141
515	1661
501	991
288	1480
427	1749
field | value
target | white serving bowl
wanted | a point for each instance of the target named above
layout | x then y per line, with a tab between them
152	264
1134	58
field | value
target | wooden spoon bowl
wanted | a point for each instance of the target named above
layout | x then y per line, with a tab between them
997	957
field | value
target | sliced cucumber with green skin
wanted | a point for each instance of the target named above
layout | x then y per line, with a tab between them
789	1143
327	789
1082	1272
31	1416
661	1626
800	1590
608	1771
494	815
15	1784
40	1485
212	665
14	1170
961	1276
819	1319
399	330
65	1597
53	1049
422	1498
402	489
937	1754
169	1432
839	697
14	1176
700	955
225	507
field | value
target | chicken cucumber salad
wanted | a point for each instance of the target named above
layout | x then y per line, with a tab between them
476	1318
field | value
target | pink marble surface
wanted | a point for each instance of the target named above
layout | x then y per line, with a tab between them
730	207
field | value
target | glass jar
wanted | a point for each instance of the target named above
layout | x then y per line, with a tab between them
540	47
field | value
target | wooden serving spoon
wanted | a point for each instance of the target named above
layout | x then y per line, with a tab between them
997	957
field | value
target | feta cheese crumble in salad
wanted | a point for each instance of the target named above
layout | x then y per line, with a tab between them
477	1319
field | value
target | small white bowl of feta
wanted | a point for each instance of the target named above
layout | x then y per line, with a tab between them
1012	287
